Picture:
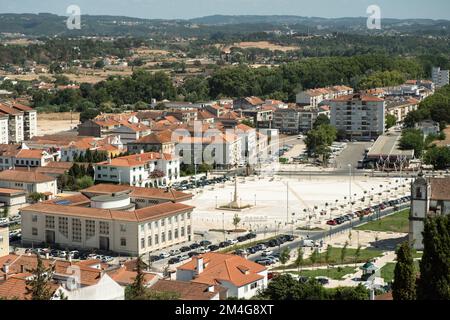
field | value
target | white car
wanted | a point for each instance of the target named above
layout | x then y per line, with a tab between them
184	257
267	253
164	255
4	221
174	252
202	250
232	241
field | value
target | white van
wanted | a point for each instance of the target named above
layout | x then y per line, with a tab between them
309	243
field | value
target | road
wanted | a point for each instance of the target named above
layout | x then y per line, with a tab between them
317	236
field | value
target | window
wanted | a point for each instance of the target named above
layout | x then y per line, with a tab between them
104	227
176	218
90	229
182	217
169	235
76	230
176	233
149	241
188	230
156	239
123	228
49	222
34	231
34	218
142	227
170	220
142	243
123	242
182	231
63	226
253	285
149	225
189	215
156	224
163	237
163	221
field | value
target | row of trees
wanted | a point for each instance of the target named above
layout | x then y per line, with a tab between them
77	178
320	138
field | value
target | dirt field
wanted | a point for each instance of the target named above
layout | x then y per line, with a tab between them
263	45
51	123
446	142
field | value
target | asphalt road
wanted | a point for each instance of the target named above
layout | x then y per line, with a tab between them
317	236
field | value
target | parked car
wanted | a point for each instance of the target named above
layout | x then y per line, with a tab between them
267	253
202	250
173	260
164	255
174	252
241	238
194	246
193	254
309	243
185	249
232	241
251	235
273	258
264	262
331	222
154	258
322	280
213	247
205	243
224	244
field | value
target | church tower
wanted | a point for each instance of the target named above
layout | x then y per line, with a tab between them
420	204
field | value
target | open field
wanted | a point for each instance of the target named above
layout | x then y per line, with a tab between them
51	123
262	45
398	222
387	272
332	273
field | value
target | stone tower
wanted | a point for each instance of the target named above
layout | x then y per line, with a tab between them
420	204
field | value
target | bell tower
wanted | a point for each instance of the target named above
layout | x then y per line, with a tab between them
420	204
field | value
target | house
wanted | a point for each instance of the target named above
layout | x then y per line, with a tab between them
129	132
109	223
143	169
111	145
12	197
242	278
430	197
29	181
141	197
74	281
156	142
4	241
12	156
369	271
185	290
248	103
314	97
125	274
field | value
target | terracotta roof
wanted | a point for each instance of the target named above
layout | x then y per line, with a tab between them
385	296
8	110
21	107
72	200
11	192
137	159
156	138
24	176
254	100
124	277
359	97
139	192
186	290
30	154
220	267
16	288
149	213
440	189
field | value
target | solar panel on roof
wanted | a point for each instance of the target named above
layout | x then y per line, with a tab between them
63	202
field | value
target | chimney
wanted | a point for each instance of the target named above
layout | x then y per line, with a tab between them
6	268
142	151
211	288
109	160
47	255
199	265
22	268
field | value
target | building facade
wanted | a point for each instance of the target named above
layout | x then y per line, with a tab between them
440	77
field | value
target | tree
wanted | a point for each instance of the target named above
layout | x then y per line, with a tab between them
321	120
434	283
438	157
404	286
136	290
351	293
89	114
314	256
299	261
344	252
390	121
236	221
39	286
328	256
35	197
412	139
284	257
357	254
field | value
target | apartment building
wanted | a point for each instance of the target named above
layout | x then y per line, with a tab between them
15	155
297	119
156	142
108	225
4	129
112	145
29	120
440	77
130	132
360	116
145	169
399	108
15	123
314	97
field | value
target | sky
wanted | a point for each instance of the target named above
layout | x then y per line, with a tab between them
185	9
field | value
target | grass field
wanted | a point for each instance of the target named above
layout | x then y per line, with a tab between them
332	273
387	272
335	257
397	222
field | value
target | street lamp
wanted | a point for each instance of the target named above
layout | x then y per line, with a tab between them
255	199
223	225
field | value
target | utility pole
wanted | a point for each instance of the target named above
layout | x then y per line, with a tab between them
287	202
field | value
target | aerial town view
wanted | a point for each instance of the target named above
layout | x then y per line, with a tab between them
211	150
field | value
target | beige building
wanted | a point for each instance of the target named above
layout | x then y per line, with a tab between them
4	241
110	223
30	181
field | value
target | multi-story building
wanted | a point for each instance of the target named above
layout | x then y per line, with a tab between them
109	223
359	116
145	169
130	132
29	120
112	145
399	108
15	123
430	197
14	155
156	142
314	97
4	129
297	119
440	77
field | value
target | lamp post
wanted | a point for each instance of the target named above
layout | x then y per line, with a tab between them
216	202
255	199
223	225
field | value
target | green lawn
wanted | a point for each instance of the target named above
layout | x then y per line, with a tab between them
335	257
397	222
332	273
387	272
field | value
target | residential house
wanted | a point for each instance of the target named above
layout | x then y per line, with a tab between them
29	181
156	142
242	278
186	290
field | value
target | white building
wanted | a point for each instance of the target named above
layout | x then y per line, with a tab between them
30	181
429	196
440	77
4	129
314	97
142	170
360	116
242	278
108	223
15	123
